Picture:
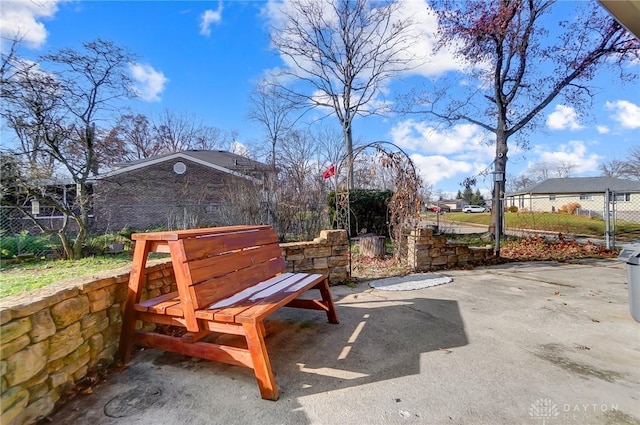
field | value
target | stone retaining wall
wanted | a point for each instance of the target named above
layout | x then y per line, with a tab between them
327	254
52	337
426	251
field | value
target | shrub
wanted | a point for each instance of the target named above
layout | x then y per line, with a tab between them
369	210
23	243
513	209
97	245
570	208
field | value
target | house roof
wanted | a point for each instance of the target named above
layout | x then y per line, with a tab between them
581	185
223	161
627	12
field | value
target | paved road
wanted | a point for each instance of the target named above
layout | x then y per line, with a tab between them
452	227
447	226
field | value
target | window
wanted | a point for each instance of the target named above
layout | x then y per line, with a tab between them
586	196
622	197
552	197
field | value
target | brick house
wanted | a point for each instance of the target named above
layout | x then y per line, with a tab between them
178	190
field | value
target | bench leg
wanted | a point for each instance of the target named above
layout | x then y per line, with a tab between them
136	278
254	333
332	316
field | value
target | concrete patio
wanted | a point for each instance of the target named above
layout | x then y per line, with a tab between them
522	343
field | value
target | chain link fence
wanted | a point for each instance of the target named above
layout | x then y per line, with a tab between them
21	238
608	217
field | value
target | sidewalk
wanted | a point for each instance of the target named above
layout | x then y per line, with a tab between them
522	343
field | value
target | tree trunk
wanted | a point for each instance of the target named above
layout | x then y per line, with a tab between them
372	246
497	207
348	139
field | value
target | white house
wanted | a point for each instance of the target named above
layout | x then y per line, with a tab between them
590	192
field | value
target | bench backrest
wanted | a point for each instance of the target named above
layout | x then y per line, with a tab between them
213	267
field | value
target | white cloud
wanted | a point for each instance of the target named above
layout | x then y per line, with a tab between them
563	118
435	168
23	19
442	153
421	47
149	83
602	129
574	152
428	138
240	149
210	17
625	112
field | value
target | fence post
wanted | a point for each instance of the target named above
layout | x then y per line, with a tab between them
607	219
614	219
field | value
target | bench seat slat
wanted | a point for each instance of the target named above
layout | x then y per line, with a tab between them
273	302
304	282
236	304
292	284
230	314
164	304
221	310
249	292
146	304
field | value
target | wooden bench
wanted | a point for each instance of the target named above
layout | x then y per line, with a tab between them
229	280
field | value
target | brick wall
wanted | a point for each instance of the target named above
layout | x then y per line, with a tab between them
426	251
156	196
52	337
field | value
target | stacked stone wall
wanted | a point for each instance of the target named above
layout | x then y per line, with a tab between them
327	254
51	338
426	251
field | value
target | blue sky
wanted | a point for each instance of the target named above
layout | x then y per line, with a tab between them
202	59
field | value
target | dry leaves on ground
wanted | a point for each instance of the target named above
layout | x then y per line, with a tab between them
375	268
560	249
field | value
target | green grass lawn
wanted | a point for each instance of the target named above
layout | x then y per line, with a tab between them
553	222
17	278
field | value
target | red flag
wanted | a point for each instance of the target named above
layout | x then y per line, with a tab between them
329	172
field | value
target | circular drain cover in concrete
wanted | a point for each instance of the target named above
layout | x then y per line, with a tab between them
408	283
132	401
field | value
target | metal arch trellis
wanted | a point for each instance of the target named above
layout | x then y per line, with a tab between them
342	199
343	211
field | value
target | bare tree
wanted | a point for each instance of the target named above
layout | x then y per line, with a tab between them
331	152
136	137
612	168
517	183
133	133
564	169
270	108
632	164
175	132
521	71
628	168
52	107
300	190
341	52
211	138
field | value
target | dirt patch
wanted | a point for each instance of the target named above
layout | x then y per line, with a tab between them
556	354
133	401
